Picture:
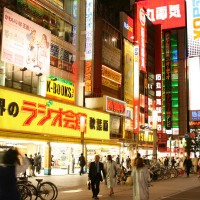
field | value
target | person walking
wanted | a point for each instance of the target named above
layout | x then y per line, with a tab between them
111	171
81	161
195	163
166	162
128	163
138	156
8	170
118	160
95	170
187	164
141	178
73	163
31	167
173	162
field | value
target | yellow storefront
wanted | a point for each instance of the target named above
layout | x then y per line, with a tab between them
39	120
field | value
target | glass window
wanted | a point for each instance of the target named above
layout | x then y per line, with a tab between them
110	39
47	19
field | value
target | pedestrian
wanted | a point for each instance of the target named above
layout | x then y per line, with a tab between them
166	162
52	161
31	167
111	172
39	162
25	155
195	163
81	161
8	170
138	156
95	170
104	159
173	162
118	160
73	163
141	179
128	163
187	164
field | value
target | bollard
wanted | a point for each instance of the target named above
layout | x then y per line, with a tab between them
68	169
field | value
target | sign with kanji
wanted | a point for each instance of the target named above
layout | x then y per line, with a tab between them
29	113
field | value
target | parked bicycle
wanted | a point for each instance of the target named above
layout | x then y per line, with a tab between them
43	190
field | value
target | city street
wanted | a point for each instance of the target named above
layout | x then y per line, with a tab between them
73	187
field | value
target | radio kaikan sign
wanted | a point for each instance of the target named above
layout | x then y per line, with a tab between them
21	112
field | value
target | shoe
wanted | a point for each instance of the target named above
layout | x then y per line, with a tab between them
96	197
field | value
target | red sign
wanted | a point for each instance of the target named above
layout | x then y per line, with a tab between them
169	13
162	142
88	76
115	106
140	34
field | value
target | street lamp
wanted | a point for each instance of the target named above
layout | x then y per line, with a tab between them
155	115
82	130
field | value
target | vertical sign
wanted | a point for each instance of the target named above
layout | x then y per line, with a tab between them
128	72
89	46
136	89
168	99
146	99
140	34
193	27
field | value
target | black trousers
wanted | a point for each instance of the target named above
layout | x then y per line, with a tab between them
95	187
81	170
188	171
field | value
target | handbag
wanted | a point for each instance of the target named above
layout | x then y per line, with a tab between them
129	180
89	185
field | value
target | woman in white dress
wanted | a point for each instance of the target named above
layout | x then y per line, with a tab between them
111	171
141	178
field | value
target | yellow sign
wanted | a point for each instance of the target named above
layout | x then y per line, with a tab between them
111	74
60	91
29	113
128	73
142	137
106	82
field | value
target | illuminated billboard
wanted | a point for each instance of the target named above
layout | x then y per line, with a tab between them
193	27
169	13
126	26
24	43
194	92
30	113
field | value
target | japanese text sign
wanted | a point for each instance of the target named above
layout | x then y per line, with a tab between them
24	43
61	89
193	27
22	112
114	106
140	34
170	13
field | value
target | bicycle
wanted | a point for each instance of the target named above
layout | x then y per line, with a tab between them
24	191
43	190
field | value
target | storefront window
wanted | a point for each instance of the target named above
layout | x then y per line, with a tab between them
47	19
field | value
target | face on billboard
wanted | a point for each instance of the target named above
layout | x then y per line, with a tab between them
169	13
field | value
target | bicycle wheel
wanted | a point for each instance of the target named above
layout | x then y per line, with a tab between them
24	192
33	190
55	189
46	191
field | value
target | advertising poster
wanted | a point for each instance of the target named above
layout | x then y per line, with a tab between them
128	73
193	27
24	43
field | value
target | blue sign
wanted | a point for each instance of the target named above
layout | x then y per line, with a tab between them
187	135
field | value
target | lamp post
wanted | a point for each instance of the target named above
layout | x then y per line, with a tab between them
82	130
146	140
155	115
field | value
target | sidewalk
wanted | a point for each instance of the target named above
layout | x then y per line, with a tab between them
73	187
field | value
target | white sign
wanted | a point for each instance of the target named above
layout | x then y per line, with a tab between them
194	83
193	27
89	29
25	43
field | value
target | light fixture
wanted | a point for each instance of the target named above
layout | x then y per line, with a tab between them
114	39
40	74
23	69
54	79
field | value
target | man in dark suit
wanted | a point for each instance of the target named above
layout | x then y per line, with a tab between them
95	176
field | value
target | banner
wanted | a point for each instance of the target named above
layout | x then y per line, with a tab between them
30	113
24	43
128	72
